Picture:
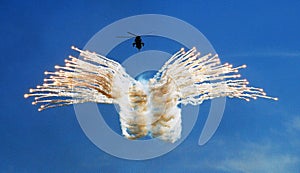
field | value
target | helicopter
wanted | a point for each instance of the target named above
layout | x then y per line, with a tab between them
138	43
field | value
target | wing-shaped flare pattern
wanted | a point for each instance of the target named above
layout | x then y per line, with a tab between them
145	108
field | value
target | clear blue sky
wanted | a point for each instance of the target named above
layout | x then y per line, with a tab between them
259	136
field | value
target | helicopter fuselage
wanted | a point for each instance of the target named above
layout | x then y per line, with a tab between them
138	42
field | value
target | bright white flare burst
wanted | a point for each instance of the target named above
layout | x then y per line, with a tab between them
145	109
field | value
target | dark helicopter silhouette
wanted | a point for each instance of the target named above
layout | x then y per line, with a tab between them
138	43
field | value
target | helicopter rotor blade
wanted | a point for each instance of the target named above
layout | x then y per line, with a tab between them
148	34
124	36
132	34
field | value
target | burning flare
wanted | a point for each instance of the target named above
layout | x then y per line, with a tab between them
145	108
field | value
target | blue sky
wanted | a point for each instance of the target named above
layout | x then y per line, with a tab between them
259	136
